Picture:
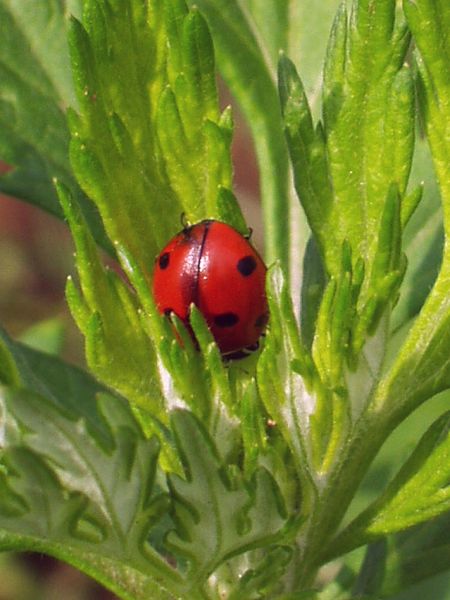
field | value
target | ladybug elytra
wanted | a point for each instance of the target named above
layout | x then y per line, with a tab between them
213	266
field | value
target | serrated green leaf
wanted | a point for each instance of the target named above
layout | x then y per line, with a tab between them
239	53
426	20
71	490
67	386
285	375
217	518
307	150
117	348
361	108
422	367
121	88
147	144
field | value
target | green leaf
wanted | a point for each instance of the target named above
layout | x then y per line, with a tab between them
66	386
427	19
418	493
195	139
238	54
306	146
63	492
416	555
392	565
217	516
118	349
148	142
285	381
313	285
113	148
47	336
248	38
423	240
36	89
65	450
422	367
341	177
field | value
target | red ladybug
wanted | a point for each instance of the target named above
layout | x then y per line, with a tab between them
213	266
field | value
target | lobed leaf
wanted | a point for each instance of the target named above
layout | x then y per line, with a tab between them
341	176
239	53
118	350
284	376
148	143
422	367
69	452
217	517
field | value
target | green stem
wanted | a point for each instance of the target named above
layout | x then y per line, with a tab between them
334	500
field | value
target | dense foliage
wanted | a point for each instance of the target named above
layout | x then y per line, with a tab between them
165	472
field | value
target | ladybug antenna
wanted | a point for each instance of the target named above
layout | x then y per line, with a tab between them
184	221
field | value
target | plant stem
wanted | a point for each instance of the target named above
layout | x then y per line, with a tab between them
334	500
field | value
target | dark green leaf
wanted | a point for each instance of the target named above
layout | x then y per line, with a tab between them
36	89
63	491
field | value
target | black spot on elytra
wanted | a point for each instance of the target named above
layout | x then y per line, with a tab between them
261	321
164	260
246	265
226	319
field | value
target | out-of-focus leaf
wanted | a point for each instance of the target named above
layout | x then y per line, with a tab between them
393	565
46	336
418	493
35	90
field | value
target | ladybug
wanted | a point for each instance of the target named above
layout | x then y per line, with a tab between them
213	266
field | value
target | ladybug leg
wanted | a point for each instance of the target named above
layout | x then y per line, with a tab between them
239	354
249	233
